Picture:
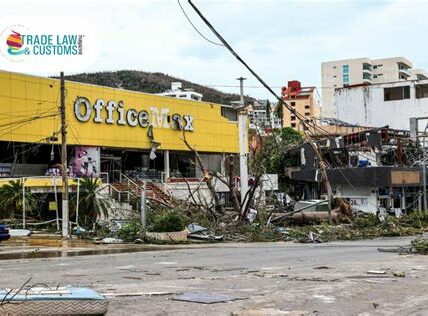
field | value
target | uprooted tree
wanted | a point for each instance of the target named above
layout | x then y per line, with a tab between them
267	155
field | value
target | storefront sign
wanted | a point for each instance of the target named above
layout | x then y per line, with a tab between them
114	112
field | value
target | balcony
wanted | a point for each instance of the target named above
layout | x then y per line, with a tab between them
367	77
367	68
404	72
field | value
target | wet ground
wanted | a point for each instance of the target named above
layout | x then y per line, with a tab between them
321	279
33	247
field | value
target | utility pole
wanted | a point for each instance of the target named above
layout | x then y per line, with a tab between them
65	214
243	143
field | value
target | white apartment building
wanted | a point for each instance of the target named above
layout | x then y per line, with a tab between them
362	71
382	104
177	91
258	116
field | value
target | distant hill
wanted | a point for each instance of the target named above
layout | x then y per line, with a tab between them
151	82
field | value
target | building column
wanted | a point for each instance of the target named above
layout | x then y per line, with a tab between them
166	164
223	164
403	200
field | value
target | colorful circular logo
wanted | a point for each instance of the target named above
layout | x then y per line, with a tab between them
13	46
14	41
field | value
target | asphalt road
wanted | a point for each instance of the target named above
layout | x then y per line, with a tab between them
322	279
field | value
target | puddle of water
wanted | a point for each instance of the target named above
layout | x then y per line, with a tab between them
84	252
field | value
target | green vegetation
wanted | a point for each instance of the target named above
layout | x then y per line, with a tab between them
272	155
131	231
11	199
167	221
361	227
91	206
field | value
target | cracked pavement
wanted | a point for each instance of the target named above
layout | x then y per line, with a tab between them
320	279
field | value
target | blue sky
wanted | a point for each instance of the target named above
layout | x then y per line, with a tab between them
282	40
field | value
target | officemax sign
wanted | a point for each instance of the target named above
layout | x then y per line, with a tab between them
112	112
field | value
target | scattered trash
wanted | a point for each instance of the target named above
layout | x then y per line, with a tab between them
206	298
376	272
109	240
372	281
271	275
399	274
312	237
198	232
19	232
322	268
153	273
132	278
251	216
400	250
268	312
382	276
195	228
137	294
325	299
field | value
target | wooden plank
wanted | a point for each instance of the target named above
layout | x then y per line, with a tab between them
405	177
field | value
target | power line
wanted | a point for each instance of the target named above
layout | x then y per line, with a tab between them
194	27
33	145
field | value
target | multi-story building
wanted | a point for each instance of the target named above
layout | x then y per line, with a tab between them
303	99
363	71
259	117
177	91
382	104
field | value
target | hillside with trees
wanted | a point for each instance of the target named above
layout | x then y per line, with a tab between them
151	82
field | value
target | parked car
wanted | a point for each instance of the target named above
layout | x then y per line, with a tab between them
4	232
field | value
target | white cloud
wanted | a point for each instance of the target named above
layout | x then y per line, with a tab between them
282	40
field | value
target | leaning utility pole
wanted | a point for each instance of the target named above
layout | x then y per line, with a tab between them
306	124
243	144
65	233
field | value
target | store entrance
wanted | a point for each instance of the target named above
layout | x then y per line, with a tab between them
112	167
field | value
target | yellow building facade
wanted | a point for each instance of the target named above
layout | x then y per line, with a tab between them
29	113
108	130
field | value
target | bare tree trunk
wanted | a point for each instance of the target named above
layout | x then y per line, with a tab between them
208	177
232	190
249	197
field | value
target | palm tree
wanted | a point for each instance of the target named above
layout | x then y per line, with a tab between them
11	198
91	205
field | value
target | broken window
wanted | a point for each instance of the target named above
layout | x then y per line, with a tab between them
421	91
396	93
293	125
292	118
229	113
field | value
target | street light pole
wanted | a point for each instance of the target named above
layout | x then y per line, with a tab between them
243	144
